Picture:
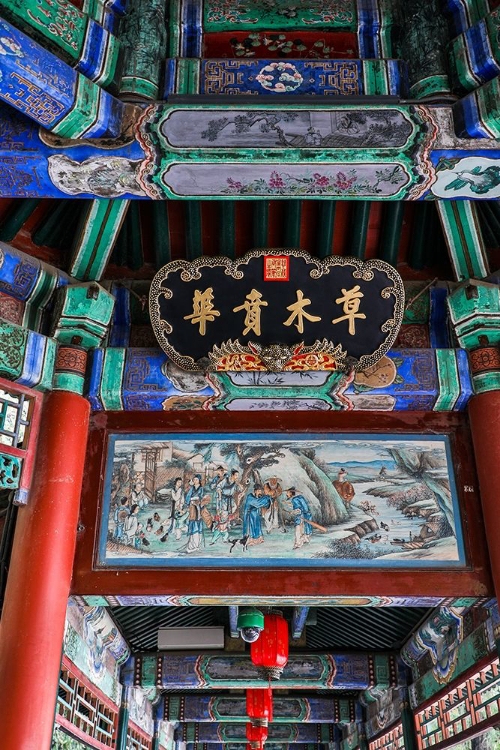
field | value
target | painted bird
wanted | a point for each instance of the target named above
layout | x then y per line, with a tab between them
480	182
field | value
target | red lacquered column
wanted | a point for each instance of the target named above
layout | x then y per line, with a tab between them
484	414
38	585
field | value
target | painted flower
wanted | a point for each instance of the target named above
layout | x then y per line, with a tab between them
233	184
276	181
279	87
343	182
321	180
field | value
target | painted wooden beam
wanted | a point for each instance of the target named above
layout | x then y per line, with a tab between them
243	746
448	384
46	89
299	621
27	357
324	78
286	709
214	733
168	151
143	36
424	43
70	33
100	224
29	280
356	671
233	623
464	239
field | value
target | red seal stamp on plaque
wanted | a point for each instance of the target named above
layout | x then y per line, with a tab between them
276	268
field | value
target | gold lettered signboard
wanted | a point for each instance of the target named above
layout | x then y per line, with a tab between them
276	310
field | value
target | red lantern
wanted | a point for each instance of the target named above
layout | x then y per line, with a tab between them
271	650
260	706
256	736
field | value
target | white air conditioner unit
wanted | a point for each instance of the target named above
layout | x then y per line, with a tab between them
178	639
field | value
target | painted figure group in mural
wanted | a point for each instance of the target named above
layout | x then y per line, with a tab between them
210	513
300	499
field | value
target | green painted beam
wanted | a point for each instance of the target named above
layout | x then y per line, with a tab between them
260	223
326	225
420	234
293	213
359	230
135	258
391	232
161	233
194	244
227	216
96	237
464	239
16	217
49	229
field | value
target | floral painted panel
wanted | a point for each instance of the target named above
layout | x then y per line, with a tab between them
268	43
333	180
342	128
305	500
219	15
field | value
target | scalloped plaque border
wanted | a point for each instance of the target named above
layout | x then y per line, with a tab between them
362	269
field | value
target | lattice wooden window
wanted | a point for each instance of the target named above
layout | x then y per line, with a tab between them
137	740
82	713
473	703
391	740
19	421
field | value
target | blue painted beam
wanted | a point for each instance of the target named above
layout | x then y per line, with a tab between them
298	621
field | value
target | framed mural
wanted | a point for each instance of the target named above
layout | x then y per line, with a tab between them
281	499
217	504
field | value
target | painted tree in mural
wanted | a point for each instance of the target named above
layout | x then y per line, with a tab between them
267	121
427	468
333	509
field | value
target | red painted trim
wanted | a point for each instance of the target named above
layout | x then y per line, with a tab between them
80	735
28	454
84	680
473	580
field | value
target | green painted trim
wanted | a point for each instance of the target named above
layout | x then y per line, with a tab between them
99	228
449	380
487	381
66	381
464	239
112	376
84	112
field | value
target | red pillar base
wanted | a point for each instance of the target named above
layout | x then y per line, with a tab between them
38	585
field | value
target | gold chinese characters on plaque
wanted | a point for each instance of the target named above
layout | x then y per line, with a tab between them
276	310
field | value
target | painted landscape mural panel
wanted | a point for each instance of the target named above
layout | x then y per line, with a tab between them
273	500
